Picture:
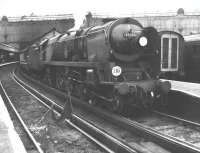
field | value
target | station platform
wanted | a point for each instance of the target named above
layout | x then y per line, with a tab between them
8	63
10	141
192	89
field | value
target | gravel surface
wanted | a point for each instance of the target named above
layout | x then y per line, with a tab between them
133	139
165	125
52	137
161	124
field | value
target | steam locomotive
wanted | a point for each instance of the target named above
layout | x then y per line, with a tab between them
115	64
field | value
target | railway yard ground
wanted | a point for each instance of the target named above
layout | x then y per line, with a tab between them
51	137
120	83
173	129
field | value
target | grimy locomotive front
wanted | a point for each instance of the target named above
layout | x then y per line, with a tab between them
115	64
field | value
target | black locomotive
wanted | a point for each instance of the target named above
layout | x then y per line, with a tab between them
114	64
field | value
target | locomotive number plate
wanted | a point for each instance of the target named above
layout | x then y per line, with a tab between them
116	71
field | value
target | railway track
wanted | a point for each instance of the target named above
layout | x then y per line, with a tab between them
178	128
103	139
17	118
173	117
6	68
63	137
171	143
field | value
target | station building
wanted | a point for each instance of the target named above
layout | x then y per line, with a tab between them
184	23
21	31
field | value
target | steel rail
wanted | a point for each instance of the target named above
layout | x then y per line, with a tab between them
5	95
169	142
89	128
176	118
